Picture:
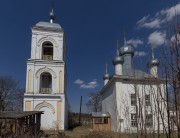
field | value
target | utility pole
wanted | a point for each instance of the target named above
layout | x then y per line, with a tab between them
80	111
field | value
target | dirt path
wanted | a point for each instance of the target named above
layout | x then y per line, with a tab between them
78	132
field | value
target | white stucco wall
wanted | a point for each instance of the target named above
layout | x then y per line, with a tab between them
57	68
53	69
120	107
118	69
109	105
123	93
37	99
39	37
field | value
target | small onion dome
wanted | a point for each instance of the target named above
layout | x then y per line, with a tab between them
117	60
127	49
106	76
153	62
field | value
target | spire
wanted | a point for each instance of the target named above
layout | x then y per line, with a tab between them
124	37
106	66
117	47
152	52
52	15
106	75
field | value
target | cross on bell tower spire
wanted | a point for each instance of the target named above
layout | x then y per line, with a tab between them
52	14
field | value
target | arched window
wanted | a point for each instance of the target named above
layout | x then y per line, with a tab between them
47	51
45	83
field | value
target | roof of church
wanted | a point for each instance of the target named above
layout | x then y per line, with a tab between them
136	73
129	78
48	26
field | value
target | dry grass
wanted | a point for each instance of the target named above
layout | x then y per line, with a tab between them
87	132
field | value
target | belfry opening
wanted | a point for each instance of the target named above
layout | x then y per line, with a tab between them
46	83
47	51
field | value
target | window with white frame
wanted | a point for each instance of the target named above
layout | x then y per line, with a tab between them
149	120
133	120
147	100
133	100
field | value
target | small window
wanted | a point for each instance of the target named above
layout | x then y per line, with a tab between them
149	120
147	100
101	120
133	120
133	100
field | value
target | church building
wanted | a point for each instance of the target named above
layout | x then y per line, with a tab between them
135	100
46	75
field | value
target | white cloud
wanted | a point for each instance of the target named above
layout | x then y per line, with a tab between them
159	18
156	38
140	54
149	22
91	85
153	24
143	20
78	81
135	42
94	82
170	12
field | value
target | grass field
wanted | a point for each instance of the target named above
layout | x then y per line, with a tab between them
87	132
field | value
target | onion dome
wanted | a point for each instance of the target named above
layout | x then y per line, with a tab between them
117	60
127	49
106	76
154	61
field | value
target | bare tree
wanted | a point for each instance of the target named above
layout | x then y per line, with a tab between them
171	72
18	99
94	102
8	89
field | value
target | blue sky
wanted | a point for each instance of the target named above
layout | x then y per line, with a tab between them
91	28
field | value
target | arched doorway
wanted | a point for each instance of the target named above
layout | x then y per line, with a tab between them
46	118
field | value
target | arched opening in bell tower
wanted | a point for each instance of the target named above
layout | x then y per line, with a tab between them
45	83
47	51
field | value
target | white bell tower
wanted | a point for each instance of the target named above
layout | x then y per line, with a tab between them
46	75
